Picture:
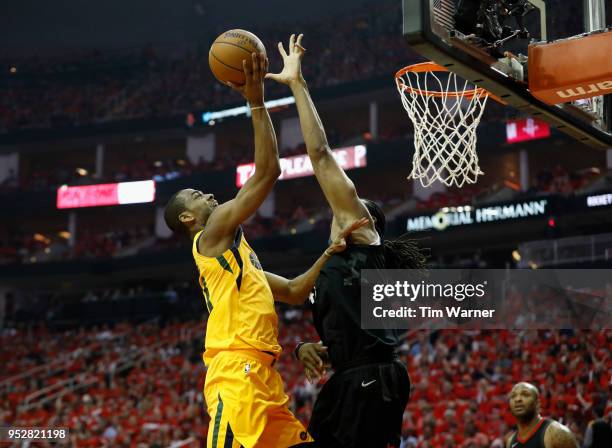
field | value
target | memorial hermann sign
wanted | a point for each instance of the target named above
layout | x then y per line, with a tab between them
467	215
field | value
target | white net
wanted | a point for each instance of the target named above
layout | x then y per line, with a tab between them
445	113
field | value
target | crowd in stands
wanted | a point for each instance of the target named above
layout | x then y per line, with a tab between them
96	87
128	384
461	380
116	387
556	180
140	168
39	248
561	180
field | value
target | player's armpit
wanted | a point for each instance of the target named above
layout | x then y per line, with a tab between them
559	436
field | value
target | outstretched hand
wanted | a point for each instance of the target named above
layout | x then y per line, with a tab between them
339	244
254	73
292	69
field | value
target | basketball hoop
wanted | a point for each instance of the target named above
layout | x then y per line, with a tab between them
445	115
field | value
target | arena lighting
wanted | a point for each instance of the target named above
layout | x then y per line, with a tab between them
210	117
106	194
300	166
41	238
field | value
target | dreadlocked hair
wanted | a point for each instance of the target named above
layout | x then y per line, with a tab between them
402	252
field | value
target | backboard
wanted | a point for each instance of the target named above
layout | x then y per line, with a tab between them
487	42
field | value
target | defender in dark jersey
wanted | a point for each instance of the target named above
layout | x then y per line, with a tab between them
599	431
534	431
362	403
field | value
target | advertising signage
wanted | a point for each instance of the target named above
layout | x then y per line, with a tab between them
300	166
599	200
105	194
526	129
467	215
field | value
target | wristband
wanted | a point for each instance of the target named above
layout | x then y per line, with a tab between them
297	349
258	107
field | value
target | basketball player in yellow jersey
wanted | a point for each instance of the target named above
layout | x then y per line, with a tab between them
244	392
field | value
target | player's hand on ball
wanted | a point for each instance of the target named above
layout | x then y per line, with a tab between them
292	69
312	356
339	244
254	72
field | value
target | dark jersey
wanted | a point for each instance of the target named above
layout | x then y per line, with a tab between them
535	439
337	309
602	434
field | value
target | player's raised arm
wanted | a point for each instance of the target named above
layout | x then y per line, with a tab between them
338	189
223	222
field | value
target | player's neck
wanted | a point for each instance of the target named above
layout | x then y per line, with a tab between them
194	231
524	428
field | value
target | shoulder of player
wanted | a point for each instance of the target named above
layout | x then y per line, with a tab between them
211	244
559	436
215	249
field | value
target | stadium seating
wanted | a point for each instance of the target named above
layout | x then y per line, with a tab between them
97	87
127	384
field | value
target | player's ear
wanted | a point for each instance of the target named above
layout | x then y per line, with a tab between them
186	218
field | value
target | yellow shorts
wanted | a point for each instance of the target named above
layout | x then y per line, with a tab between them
247	403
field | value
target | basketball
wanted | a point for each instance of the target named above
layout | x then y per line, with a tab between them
229	50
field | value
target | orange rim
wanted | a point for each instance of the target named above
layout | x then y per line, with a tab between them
428	67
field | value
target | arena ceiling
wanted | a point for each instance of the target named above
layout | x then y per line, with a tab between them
36	27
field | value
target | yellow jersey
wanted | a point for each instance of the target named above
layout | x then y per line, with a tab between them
239	300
